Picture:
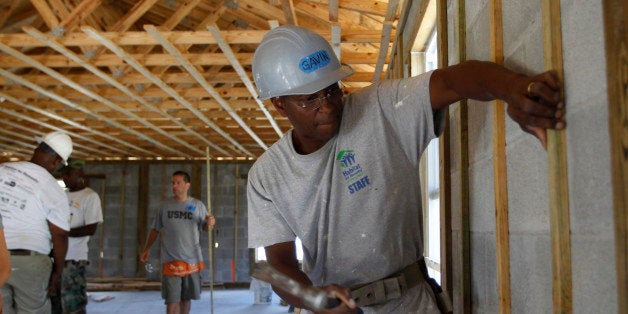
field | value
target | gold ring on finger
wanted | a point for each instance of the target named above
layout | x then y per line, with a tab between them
530	88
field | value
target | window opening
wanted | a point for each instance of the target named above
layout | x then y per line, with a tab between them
424	62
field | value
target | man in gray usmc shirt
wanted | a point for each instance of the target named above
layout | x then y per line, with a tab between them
179	220
345	178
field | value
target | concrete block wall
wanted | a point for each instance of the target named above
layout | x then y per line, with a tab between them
122	182
591	208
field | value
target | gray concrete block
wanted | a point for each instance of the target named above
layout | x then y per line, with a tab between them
455	201
530	273
480	131
454	114
473	9
522	24
482	272
594	274
478	40
528	196
591	203
481	203
583	51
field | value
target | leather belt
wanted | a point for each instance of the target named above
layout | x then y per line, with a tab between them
392	287
22	252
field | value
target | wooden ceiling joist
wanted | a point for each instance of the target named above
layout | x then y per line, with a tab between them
72	134
288	11
226	49
46	13
103	100
70	104
210	90
61	49
132	38
170	91
79	13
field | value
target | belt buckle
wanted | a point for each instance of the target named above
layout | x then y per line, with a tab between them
370	294
395	287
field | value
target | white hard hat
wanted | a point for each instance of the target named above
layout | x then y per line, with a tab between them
60	142
293	60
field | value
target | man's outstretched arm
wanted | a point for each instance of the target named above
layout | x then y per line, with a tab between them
534	102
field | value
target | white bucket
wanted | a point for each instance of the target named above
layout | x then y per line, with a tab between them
263	293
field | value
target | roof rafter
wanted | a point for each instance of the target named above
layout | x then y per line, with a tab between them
138	67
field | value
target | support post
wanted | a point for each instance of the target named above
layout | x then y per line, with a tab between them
557	165
210	235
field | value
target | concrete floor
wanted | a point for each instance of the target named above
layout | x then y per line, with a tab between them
230	301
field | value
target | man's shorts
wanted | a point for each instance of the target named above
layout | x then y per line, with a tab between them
174	289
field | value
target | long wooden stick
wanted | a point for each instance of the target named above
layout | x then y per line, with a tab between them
210	235
101	240
616	44
557	164
235	223
500	173
445	161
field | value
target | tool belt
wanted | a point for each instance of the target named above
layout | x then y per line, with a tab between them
398	284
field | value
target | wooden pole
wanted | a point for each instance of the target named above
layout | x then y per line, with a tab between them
557	164
500	171
142	213
235	224
122	214
101	232
445	161
463	149
616	67
210	235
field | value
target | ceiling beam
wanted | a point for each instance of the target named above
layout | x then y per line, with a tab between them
157	81
66	121
333	11
160	59
132	16
226	49
46	13
170	78
288	11
235	37
94	151
95	96
70	104
391	12
68	53
4	15
78	14
201	81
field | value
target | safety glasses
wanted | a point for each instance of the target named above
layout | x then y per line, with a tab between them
313	104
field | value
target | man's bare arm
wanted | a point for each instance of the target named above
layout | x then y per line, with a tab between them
534	102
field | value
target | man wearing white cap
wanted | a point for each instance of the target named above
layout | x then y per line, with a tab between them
36	221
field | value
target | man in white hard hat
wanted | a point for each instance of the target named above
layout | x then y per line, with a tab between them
36	221
344	179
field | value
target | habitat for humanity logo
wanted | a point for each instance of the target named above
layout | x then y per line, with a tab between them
352	171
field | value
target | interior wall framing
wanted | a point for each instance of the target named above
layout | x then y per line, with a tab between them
590	228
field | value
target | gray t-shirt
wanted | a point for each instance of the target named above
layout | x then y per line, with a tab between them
355	203
179	225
